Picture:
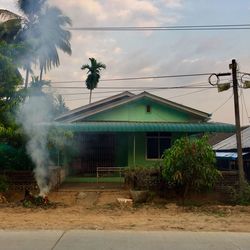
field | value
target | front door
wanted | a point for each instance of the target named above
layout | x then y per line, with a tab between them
96	150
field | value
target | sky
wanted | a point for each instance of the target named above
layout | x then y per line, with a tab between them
155	53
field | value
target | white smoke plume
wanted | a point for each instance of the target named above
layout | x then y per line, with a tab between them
45	32
31	114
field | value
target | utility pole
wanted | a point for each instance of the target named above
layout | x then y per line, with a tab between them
233	67
222	87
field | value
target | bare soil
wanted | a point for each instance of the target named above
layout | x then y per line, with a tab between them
100	210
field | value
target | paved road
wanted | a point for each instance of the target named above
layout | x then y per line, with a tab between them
121	240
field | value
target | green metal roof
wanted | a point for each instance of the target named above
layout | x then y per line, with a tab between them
145	127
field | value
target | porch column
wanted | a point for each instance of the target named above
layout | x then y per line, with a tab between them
134	150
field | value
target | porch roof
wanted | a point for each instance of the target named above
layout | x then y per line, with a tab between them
145	127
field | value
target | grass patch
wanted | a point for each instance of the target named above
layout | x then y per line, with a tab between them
94	180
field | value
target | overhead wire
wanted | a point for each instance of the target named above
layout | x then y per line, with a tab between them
166	28
221	105
245	106
198	84
193	92
114	91
241	102
138	78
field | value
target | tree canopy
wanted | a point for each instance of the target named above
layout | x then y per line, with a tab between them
190	165
94	71
42	28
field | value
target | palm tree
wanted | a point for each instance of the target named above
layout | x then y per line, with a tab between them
43	31
52	36
93	74
45	27
31	10
14	28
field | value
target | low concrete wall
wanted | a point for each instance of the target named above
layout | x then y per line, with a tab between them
57	176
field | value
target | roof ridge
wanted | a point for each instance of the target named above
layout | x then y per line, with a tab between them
92	105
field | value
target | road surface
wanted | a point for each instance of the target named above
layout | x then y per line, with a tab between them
121	240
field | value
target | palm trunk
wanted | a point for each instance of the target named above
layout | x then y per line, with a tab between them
41	74
26	79
90	95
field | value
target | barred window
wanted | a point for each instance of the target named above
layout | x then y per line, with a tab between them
157	142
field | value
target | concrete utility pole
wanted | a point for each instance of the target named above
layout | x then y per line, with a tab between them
233	67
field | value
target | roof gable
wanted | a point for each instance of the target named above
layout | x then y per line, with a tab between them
73	114
105	110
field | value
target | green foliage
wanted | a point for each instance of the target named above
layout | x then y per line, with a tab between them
94	70
93	73
190	165
10	96
59	105
41	27
10	79
62	146
142	178
12	158
3	184
238	197
55	101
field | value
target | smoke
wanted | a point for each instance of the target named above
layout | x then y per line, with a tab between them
44	32
31	114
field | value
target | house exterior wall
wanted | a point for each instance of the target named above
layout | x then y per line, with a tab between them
140	158
125	154
121	150
137	111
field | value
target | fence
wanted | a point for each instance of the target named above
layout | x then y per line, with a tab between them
21	180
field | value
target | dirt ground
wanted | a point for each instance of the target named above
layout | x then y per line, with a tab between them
100	210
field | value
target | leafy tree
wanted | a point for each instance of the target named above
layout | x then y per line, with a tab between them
42	88
12	31
93	74
12	150
10	80
190	165
42	29
59	105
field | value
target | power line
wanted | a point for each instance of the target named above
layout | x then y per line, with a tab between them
139	78
245	106
200	84
76	99
223	103
193	92
166	28
162	88
240	97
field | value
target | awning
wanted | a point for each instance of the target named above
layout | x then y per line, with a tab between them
145	127
231	155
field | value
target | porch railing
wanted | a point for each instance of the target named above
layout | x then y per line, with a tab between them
108	172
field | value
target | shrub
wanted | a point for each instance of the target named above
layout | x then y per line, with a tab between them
142	178
12	158
238	197
190	165
3	184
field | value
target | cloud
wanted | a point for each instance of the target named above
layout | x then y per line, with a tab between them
117	12
173	3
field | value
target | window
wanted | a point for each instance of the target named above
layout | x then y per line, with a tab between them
157	143
148	108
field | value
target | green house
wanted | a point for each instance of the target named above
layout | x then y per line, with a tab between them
131	130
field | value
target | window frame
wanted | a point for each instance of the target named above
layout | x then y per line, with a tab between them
159	136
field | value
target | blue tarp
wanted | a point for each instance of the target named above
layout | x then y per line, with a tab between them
231	155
